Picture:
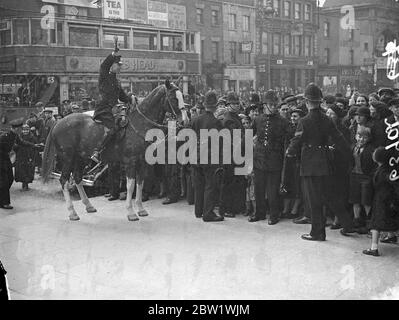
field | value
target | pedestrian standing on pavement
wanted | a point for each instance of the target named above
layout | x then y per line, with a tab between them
311	143
25	159
7	141
49	122
205	174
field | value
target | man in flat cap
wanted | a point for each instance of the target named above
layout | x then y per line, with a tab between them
311	143
49	123
110	92
205	185
272	131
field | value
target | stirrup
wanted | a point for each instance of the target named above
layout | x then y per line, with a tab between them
94	157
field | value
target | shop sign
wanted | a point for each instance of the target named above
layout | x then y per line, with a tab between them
240	74
92	64
246	47
114	9
279	61
351	72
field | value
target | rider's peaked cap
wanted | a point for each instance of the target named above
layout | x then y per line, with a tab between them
313	93
211	100
271	96
17	123
254	98
232	97
386	90
330	99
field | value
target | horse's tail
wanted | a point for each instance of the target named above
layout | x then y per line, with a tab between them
48	157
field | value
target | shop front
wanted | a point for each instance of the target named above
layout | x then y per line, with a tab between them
239	79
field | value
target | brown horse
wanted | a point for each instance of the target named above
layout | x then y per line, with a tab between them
74	139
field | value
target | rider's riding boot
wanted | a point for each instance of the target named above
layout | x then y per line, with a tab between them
96	155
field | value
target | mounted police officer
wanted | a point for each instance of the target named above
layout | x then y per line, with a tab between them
311	143
272	131
110	92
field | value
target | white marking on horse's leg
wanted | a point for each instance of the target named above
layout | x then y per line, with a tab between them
85	199
73	216
131	214
139	199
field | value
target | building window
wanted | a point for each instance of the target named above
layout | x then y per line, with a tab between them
246	23
5	37
233	52
308	8
276	7
351	34
247	57
202	50
145	41
287	9
171	42
276	44
57	34
232	21
366	46
297	45
352	56
287	45
308	46
108	39
190	42
39	35
297	11
21	31
83	37
326	29
200	16
215	51
326	56
215	17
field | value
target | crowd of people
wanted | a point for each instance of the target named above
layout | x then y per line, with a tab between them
315	159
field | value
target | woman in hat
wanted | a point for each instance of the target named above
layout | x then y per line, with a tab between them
25	159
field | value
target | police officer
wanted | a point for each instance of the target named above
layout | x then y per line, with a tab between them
110	91
204	174
272	131
311	143
233	187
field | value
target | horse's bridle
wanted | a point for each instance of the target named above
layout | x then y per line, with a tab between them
152	121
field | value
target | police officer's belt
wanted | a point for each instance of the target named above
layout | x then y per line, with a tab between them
316	146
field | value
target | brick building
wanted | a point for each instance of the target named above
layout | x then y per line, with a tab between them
286	43
351	53
57	46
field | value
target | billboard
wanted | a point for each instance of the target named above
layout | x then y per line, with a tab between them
158	13
114	9
75	3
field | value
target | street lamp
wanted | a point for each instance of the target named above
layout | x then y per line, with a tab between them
265	12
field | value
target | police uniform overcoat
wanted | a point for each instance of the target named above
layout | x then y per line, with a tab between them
272	132
110	92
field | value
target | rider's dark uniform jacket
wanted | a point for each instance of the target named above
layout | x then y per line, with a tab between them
110	91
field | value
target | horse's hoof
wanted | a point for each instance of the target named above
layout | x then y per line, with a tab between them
143	213
133	217
91	210
74	217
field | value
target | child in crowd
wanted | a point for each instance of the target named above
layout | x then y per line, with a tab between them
385	213
360	183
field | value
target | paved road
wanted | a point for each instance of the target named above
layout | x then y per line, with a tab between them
172	255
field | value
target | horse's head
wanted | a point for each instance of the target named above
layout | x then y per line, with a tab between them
173	102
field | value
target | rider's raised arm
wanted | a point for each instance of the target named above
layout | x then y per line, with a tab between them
106	65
